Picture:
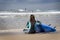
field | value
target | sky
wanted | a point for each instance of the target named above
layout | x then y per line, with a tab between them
30	4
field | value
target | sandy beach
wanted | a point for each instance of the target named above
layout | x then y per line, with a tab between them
19	22
37	36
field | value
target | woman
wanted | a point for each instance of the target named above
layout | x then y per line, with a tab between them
33	25
37	27
32	21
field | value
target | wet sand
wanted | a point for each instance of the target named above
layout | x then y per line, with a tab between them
37	36
41	36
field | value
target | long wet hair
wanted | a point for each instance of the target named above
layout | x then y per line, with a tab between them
32	19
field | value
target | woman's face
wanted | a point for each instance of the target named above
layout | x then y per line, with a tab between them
32	17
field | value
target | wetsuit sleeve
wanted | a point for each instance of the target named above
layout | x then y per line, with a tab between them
27	25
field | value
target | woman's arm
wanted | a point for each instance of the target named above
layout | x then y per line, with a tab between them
27	25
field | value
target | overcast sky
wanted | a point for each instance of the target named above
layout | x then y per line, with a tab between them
30	4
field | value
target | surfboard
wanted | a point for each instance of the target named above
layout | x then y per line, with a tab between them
46	28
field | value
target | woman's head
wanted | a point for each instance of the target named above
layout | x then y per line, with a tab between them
32	18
